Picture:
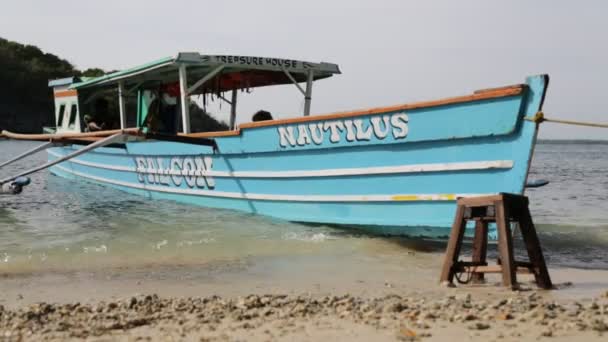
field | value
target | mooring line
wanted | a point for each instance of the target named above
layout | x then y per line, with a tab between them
540	117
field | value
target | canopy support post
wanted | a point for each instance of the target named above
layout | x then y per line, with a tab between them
184	97
308	95
233	109
121	105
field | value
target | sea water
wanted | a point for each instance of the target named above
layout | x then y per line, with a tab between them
58	224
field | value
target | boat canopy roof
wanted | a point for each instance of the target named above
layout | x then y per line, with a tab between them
228	72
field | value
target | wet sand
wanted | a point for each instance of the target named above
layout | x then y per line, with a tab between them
298	298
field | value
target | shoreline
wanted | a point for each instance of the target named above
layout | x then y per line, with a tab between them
304	297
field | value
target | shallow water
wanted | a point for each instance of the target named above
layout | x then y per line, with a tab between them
57	224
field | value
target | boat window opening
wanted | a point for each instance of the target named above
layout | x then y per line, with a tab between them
60	115
144	99
73	112
159	111
281	102
103	108
208	113
216	93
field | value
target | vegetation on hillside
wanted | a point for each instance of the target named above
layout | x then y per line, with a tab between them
26	101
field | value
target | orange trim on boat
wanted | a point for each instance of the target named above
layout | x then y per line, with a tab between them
59	136
514	86
476	96
66	93
211	134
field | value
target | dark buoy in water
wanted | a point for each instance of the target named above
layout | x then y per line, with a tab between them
536	183
15	187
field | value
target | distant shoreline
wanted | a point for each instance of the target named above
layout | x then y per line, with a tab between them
572	141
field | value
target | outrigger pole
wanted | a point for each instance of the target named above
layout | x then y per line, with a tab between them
67	136
115	138
118	136
27	153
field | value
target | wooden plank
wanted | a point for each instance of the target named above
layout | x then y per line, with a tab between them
58	136
454	245
480	248
480	201
505	246
490	269
436	103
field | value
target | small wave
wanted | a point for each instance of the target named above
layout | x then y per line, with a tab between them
94	249
161	244
199	242
307	237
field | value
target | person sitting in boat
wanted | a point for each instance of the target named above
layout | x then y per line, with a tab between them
262	115
90	124
97	120
154	122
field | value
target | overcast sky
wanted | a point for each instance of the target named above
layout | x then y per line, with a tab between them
390	52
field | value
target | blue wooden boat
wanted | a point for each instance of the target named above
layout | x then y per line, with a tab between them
396	169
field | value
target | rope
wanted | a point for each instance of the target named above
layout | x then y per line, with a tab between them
540	117
458	276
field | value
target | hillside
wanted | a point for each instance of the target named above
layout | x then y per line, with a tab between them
26	101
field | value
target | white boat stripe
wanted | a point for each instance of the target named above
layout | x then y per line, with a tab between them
412	168
277	197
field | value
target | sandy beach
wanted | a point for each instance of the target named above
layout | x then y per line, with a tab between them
258	300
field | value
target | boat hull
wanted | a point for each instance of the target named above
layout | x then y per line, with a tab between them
392	170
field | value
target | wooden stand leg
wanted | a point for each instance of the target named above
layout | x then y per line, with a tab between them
480	249
505	245
454	244
535	253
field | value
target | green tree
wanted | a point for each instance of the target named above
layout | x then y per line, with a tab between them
26	101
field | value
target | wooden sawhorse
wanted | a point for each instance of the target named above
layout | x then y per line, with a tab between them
502	209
